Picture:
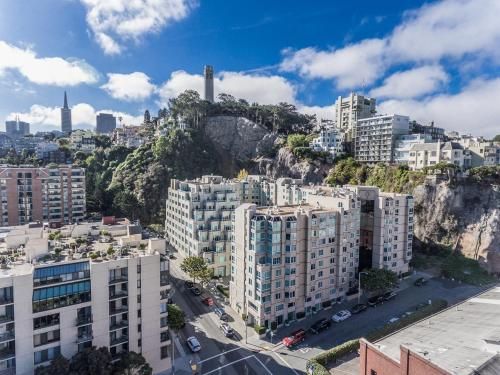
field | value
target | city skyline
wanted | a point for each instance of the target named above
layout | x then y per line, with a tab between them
405	55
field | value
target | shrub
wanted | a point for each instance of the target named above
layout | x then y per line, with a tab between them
224	291
260	330
337	352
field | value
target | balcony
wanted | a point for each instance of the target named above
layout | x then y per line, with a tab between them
7	336
8	371
117	280
119	325
6	318
7	354
6	301
118	294
119	340
118	310
82	320
84	338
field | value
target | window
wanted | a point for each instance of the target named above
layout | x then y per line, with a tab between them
63	273
45	321
46	337
46	355
164	352
60	296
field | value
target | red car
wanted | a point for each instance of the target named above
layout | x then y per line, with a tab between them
207	300
294	338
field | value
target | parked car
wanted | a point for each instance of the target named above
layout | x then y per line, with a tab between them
188	284
360	307
393	320
207	300
389	295
374	301
295	338
421	305
227	330
194	344
221	314
420	281
171	256
341	316
320	325
196	291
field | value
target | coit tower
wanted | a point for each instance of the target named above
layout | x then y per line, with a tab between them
209	83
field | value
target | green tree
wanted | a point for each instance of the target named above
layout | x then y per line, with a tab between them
378	280
195	267
176	317
92	361
496	138
297	140
125	204
132	363
58	366
204	276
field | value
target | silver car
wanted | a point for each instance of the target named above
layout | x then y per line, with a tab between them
193	344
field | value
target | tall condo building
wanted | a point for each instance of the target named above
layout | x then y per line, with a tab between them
209	83
59	302
199	215
375	137
291	261
348	111
386	229
66	124
16	128
105	123
53	195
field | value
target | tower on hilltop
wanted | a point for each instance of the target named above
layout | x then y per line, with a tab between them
209	83
66	124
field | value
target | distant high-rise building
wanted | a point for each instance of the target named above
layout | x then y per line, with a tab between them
66	124
105	123
16	128
209	83
147	116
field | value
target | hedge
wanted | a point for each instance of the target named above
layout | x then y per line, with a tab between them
260	330
318	363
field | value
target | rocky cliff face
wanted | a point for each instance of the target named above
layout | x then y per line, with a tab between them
285	164
463	215
237	137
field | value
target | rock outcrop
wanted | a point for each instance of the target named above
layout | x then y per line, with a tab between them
285	164
237	137
461	214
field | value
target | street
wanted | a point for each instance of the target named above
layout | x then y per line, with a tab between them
222	355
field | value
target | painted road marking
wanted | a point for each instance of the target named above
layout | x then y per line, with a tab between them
286	363
218	355
229	364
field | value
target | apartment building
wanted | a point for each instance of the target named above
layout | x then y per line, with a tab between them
386	229
198	218
352	108
434	132
483	153
57	300
82	140
291	261
128	136
430	154
404	143
375	137
329	140
53	195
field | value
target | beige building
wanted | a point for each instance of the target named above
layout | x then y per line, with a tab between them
82	140
53	195
483	153
288	262
352	108
56	298
430	154
386	229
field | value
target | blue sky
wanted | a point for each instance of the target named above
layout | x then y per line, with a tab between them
434	61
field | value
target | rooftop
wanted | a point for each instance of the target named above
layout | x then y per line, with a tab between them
462	339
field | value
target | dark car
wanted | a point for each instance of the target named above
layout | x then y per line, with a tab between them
221	314
196	291
389	295
188	284
360	307
374	301
420	281
171	256
421	305
320	325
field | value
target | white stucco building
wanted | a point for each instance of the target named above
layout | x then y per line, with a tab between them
329	140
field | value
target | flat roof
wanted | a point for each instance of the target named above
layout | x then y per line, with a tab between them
460	339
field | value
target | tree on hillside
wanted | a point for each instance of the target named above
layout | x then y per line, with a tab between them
195	267
378	280
132	363
496	138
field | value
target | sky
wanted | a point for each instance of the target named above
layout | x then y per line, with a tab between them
431	60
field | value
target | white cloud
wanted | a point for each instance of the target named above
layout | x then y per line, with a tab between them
251	87
412	83
352	66
447	29
83	116
45	70
465	111
115	21
130	87
326	113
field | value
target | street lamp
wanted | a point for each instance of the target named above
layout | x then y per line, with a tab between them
359	285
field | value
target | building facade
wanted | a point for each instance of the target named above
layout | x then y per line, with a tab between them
66	123
82	140
375	137
436	133
15	128
53	195
404	143
329	140
351	109
291	261
429	154
105	123
128	136
62	303
386	229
